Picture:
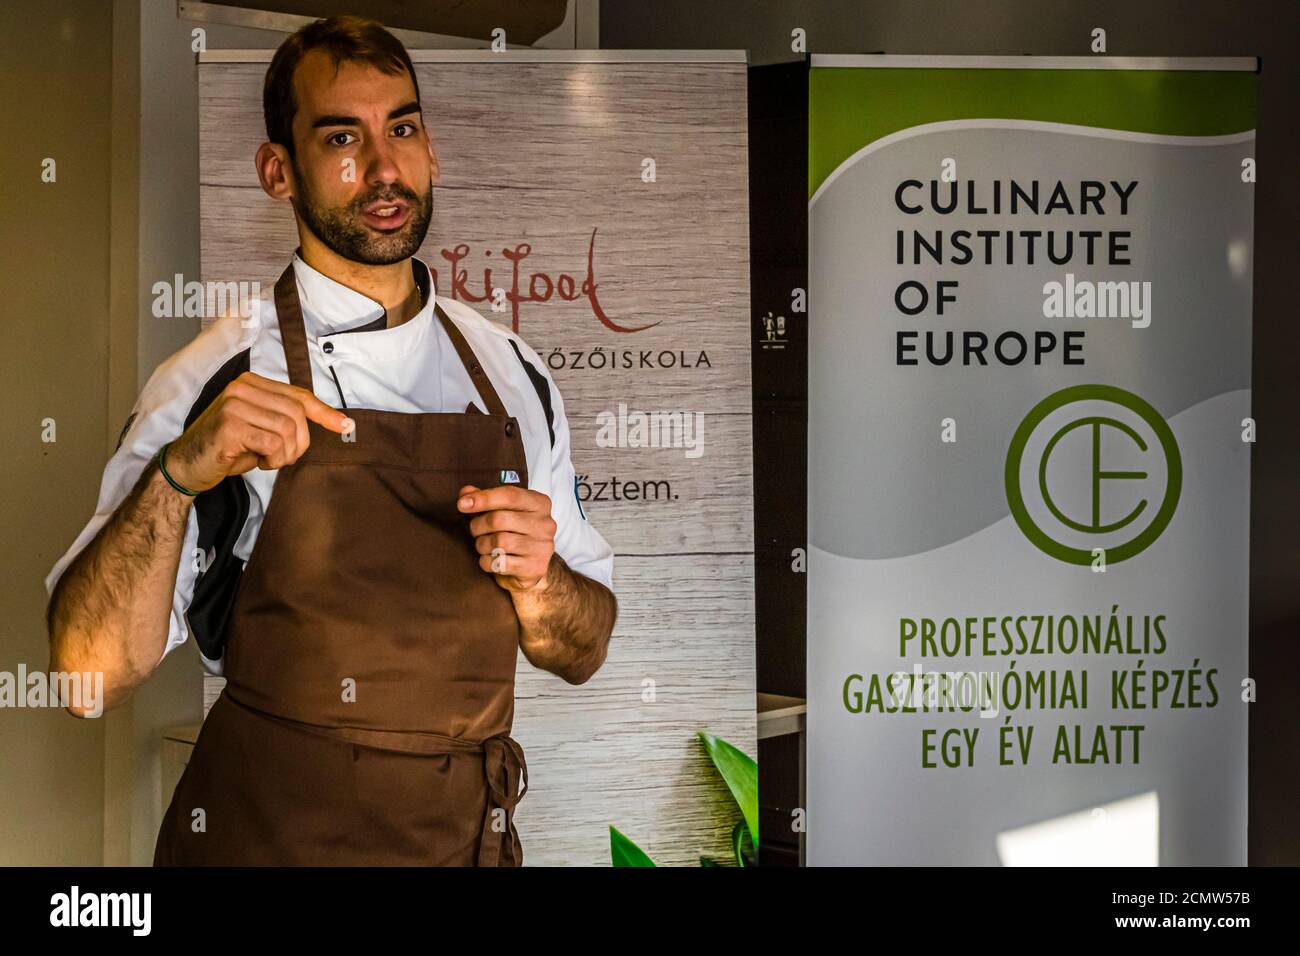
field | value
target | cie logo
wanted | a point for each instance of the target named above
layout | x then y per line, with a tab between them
1122	536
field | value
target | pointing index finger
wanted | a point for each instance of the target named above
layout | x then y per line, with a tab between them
323	414
315	410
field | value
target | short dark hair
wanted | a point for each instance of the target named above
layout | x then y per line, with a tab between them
343	37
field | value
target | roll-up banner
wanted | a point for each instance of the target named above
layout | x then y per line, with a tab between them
1029	459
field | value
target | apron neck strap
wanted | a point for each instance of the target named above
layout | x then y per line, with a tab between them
471	363
293	334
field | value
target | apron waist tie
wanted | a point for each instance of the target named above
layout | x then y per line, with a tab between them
503	763
503	767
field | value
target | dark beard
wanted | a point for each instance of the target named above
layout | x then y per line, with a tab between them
342	230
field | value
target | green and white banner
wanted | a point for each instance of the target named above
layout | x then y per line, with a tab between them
1029	459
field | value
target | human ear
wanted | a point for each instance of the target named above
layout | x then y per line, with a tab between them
435	168
274	171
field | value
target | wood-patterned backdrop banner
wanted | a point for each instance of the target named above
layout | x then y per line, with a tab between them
617	180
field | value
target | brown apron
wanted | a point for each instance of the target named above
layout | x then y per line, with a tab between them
370	661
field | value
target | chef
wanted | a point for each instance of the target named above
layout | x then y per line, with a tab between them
361	503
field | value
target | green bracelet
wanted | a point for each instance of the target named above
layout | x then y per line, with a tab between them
162	466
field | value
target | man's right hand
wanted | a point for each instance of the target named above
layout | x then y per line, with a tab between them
254	422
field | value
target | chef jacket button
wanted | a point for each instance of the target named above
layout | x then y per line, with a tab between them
328	347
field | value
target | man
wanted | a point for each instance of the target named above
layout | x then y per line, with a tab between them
363	576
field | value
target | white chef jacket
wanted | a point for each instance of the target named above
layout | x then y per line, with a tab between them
412	367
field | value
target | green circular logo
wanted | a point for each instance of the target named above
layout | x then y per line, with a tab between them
1097	425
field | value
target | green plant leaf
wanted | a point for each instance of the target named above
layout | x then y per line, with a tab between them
748	854
740	772
705	861
623	852
738	836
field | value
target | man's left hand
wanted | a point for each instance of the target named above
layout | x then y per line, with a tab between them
514	533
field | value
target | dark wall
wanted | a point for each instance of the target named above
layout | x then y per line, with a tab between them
1269	29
